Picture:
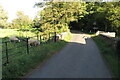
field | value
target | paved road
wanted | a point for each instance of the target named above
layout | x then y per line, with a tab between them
79	59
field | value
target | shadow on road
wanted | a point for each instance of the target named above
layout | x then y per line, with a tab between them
79	59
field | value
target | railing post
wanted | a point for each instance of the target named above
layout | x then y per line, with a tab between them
55	37
40	39
27	46
7	61
37	37
49	37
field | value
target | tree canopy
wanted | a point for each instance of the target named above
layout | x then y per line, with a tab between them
61	16
22	21
3	17
80	15
58	15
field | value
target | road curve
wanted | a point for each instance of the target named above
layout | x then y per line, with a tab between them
79	59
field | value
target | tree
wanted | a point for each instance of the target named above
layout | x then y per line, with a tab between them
80	15
114	17
58	15
106	15
3	17
22	21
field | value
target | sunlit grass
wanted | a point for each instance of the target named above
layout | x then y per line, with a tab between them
21	63
67	39
15	32
92	35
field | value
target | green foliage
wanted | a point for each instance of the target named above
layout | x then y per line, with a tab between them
3	18
16	32
22	63
108	14
80	15
114	16
109	54
22	21
105	14
57	15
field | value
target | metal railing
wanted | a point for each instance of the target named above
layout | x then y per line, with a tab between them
8	52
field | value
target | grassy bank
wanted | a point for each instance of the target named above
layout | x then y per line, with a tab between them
22	63
15	32
109	54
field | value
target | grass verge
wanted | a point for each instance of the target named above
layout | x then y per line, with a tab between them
109	54
22	64
15	32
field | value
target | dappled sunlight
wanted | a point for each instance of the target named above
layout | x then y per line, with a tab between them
80	40
81	37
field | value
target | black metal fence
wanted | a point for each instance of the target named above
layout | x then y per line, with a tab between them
9	47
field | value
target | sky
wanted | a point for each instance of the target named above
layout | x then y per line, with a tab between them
27	6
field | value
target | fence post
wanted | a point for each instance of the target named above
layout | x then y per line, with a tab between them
40	39
49	37
27	46
6	52
37	37
55	37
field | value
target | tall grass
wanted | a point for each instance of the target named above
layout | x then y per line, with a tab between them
15	32
22	63
109	54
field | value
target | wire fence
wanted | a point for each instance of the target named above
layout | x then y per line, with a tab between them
11	49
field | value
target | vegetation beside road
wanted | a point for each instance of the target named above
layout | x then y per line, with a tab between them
59	17
109	54
15	32
22	64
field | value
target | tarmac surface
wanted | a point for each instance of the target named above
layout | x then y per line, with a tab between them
80	58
